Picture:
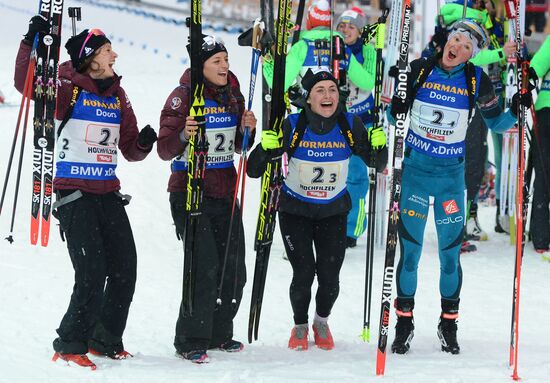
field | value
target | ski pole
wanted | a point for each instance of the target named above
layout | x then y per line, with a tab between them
380	38
256	36
27	95
75	15
28	81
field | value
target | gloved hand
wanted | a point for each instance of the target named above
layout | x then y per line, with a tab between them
295	92
377	138
147	137
36	24
398	106
297	97
439	39
271	140
533	75
524	99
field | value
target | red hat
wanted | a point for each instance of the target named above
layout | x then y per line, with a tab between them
318	15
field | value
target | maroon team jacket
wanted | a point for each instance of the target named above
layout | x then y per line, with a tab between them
218	183
68	78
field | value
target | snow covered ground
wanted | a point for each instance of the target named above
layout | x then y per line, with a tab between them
35	282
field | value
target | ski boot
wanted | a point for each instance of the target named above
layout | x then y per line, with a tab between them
404	329
446	328
299	337
467	247
502	222
78	359
474	232
197	356
118	355
322	335
351	242
231	346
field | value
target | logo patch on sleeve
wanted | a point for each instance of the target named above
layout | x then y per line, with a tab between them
175	103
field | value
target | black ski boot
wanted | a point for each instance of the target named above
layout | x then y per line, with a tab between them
404	329
446	329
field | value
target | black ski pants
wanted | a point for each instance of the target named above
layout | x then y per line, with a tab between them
328	235
540	217
103	253
211	325
476	155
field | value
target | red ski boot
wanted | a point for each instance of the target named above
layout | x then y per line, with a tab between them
78	359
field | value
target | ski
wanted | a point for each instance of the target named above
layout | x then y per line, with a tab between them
522	196
256	32
299	20
197	155
44	95
393	217
266	13
272	178
371	223
49	123
383	184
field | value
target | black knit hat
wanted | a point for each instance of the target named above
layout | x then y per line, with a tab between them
312	77
84	45
210	46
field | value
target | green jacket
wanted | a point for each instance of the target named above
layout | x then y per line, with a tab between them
363	77
541	64
453	12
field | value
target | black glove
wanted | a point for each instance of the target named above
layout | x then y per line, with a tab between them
533	75
296	96
439	39
147	137
398	106
524	99
36	24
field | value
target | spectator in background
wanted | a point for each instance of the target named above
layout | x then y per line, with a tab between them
535	14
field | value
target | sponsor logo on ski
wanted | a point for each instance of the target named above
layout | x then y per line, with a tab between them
36	191
57	6
386	287
450	207
42	142
48	40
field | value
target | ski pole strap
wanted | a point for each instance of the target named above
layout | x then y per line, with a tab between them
297	135
346	130
126	198
65	200
76	93
470	73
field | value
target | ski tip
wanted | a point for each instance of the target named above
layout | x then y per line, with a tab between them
380	362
